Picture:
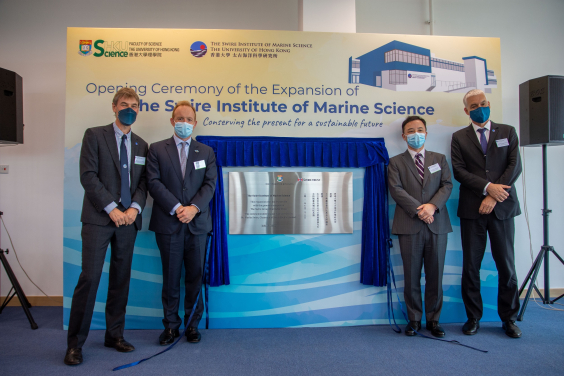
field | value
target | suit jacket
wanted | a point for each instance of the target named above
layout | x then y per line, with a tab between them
167	187
100	174
501	165
410	192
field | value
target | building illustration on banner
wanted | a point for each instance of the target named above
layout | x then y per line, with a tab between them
400	66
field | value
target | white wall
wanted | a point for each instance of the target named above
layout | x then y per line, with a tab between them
33	44
531	46
337	16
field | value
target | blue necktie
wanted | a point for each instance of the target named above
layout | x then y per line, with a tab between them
483	140
125	194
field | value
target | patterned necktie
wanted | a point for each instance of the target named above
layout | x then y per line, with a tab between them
419	165
483	140
183	159
125	193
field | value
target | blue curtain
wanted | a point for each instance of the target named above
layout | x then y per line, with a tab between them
370	153
218	258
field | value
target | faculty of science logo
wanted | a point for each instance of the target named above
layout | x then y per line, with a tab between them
198	49
85	48
279	178
104	48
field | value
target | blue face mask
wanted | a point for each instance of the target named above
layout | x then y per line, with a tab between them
480	115
127	116
183	130
416	140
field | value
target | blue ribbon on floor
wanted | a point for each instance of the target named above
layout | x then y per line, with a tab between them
391	277
204	281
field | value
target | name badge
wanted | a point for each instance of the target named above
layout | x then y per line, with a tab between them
199	164
434	168
501	143
140	160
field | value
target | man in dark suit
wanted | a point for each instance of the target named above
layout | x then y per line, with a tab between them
181	175
419	182
112	172
486	162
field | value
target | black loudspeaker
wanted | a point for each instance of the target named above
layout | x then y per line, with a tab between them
11	108
541	111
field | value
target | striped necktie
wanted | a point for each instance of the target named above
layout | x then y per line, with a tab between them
419	165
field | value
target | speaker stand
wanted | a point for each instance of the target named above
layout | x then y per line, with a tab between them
544	253
16	289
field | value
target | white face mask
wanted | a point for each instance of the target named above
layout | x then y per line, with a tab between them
416	140
183	130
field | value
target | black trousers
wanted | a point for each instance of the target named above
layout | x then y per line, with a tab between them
474	236
182	247
95	241
429	249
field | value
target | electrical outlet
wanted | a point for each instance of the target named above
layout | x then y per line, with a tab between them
4	169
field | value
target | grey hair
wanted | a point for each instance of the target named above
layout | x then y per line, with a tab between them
471	93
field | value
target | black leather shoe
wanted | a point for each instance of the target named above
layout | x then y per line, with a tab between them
73	357
193	335
409	329
167	336
471	327
511	329
436	329
119	344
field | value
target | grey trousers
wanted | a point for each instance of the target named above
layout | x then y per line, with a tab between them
423	248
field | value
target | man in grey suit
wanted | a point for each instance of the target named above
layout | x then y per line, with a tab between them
112	172
181	174
486	162
419	182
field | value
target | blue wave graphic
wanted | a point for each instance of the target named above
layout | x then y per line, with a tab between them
322	277
277	280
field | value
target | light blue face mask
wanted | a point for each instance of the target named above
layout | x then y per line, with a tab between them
183	130
416	140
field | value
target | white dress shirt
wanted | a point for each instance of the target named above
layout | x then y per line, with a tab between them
414	153
487	132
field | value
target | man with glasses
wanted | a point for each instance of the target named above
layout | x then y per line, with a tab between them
419	182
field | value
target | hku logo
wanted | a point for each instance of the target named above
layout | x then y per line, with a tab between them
279	178
198	49
103	48
85	48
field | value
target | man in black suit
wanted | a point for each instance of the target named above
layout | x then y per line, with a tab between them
112	172
486	162
181	175
419	182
